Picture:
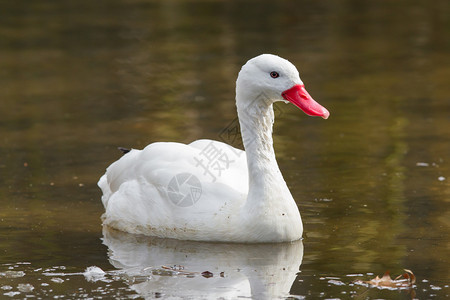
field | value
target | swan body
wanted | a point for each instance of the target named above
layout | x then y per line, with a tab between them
208	190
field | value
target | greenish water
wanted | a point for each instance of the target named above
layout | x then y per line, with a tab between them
78	79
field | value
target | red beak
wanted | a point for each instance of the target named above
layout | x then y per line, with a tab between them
298	96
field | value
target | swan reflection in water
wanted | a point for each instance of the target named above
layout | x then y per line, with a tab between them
174	268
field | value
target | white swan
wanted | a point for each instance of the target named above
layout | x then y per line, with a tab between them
208	190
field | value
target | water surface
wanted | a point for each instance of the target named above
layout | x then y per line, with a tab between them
79	79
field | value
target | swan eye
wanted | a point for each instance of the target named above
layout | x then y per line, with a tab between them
274	74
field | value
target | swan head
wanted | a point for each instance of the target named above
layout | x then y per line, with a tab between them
268	78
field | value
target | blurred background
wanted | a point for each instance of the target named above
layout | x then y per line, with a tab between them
79	78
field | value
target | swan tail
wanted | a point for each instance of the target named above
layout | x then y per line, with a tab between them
124	150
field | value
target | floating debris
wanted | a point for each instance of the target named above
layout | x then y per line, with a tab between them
207	274
406	280
11	294
94	273
57	280
436	288
422	164
13	274
180	270
25	287
335	282
356	275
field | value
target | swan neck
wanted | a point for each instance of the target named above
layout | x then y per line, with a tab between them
256	121
256	130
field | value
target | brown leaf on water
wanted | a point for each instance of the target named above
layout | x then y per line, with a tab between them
406	280
408	276
207	274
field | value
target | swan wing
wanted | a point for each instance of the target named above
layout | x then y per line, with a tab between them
170	187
